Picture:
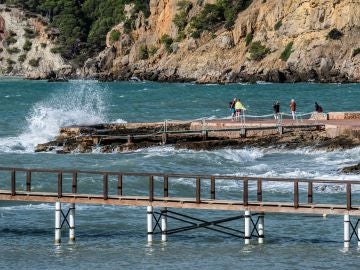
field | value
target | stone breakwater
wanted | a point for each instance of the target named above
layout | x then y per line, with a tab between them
209	135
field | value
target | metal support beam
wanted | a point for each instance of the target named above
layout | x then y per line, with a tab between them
164	225
247	235
346	231
72	223
57	223
261	228
150	232
358	233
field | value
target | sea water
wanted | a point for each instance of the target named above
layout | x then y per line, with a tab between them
111	237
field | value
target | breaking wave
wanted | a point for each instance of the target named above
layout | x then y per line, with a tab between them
83	103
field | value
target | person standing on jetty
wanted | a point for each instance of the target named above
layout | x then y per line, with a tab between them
318	108
293	108
276	107
232	108
238	109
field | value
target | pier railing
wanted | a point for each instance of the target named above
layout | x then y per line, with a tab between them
248	193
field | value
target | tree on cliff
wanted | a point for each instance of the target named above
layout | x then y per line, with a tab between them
83	24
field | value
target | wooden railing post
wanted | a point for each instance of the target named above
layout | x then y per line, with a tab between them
348	196
28	181
212	187
259	190
198	190
74	183
296	193
246	192
310	192
106	186
60	178
151	188
166	186
13	182
120	185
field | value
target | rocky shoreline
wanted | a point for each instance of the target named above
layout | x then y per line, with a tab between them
222	55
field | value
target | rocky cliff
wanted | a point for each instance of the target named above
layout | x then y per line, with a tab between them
271	40
27	49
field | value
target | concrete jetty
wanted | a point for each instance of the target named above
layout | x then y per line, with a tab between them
325	129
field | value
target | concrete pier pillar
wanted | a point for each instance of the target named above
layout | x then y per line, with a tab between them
165	137
205	135
261	228
358	232
346	231
72	223
281	130
150	234
164	225
57	223
247	220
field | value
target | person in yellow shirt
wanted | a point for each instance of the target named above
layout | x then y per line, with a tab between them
239	107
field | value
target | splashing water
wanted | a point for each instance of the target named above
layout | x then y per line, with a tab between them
83	103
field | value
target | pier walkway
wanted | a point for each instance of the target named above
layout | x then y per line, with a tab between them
248	195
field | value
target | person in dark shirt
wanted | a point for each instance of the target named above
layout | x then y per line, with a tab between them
232	108
318	108
276	108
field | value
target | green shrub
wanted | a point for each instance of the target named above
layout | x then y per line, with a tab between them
144	54
12	33
180	20
195	34
43	45
152	50
22	58
248	38
128	25
213	15
56	50
334	34
278	25
30	33
356	52
13	50
10	40
258	51
184	5
27	45
114	35
167	41
9	69
287	51
180	36
10	62
34	62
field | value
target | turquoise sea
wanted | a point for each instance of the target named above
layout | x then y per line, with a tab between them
110	237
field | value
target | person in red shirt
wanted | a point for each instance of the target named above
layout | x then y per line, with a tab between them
293	108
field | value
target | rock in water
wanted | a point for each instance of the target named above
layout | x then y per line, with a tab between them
355	169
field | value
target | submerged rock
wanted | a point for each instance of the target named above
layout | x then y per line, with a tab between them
355	169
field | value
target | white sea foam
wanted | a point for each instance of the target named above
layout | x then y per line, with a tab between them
119	121
82	103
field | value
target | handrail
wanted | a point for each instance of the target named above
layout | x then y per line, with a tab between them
179	175
244	198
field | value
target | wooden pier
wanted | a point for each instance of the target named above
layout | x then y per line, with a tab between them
249	198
